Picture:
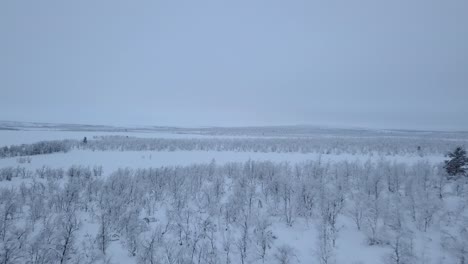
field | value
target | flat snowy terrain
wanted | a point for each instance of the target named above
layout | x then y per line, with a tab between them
229	197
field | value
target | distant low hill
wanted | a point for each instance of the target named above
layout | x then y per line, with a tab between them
255	131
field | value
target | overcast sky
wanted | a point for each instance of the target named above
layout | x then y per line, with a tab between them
367	63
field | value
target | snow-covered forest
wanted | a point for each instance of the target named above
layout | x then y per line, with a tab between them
368	199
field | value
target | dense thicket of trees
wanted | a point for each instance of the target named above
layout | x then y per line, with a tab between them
323	145
209	213
42	147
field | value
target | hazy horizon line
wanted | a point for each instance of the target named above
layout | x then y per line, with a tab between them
309	125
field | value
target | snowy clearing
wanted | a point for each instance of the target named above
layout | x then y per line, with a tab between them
112	160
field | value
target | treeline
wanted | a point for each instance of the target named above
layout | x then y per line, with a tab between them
211	213
324	145
42	147
11	172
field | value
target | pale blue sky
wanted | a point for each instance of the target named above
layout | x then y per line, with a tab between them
371	63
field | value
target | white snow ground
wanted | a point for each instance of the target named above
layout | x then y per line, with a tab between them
112	160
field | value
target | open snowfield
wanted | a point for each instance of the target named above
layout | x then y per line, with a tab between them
270	224
112	160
